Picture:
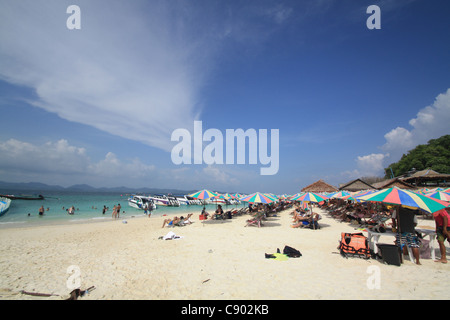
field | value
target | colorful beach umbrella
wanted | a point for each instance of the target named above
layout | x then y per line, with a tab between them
405	198
309	197
203	194
258	197
295	196
339	195
355	195
440	195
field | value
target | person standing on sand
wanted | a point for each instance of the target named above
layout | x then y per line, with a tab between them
442	220
118	211
114	212
404	220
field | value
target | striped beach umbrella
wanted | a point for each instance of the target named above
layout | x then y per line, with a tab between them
355	195
440	195
203	194
295	196
309	197
339	195
258	197
406	198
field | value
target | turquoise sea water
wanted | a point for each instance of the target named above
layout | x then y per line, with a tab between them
88	208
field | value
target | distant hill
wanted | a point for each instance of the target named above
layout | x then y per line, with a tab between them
41	188
435	155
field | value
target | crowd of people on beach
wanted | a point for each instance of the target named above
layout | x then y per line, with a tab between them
255	211
304	217
364	216
71	210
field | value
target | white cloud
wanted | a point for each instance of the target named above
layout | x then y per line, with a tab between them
371	165
398	139
19	156
135	69
219	177
64	164
431	122
61	163
127	72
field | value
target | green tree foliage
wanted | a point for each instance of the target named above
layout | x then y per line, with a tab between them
434	155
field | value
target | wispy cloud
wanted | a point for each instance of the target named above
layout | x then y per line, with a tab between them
128	71
135	70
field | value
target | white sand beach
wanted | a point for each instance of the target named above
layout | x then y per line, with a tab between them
218	260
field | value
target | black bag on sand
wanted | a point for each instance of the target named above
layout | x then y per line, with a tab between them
291	252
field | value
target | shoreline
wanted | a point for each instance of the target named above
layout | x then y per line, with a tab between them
213	260
37	221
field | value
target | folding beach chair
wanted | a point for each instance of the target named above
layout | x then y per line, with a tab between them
256	220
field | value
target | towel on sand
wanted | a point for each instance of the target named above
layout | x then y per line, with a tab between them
171	236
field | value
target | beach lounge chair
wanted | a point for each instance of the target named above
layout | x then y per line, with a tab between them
222	216
313	224
256	220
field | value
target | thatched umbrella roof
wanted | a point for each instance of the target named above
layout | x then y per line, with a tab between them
319	186
426	175
396	182
356	185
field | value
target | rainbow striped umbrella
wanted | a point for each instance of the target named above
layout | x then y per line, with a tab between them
355	195
340	194
310	197
405	198
258	197
295	196
440	195
203	194
221	196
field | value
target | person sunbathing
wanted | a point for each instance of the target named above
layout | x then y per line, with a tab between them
187	220
306	220
171	222
219	212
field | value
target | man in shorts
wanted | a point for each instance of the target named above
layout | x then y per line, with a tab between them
442	220
405	221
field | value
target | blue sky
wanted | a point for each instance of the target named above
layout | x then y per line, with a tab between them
98	105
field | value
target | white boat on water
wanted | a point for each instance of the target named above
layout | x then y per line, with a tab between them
141	202
183	200
163	200
186	200
4	205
